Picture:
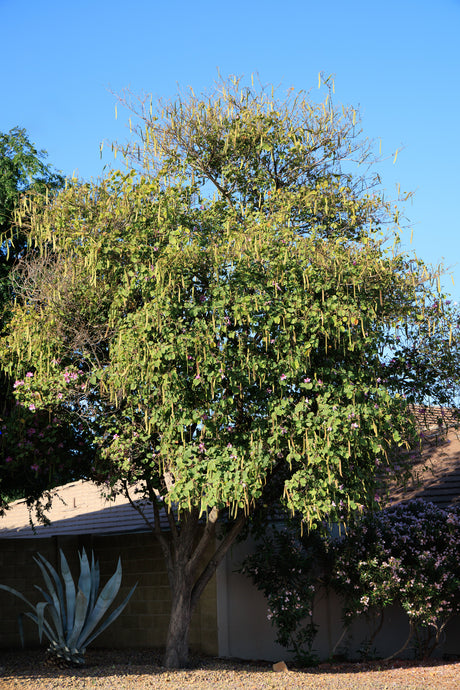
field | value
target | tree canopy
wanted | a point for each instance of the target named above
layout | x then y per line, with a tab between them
217	317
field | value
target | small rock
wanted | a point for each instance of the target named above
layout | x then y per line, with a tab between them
280	667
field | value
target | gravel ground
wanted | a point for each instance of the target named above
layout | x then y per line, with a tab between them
139	669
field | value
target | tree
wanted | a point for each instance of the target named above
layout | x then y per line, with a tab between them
23	172
226	349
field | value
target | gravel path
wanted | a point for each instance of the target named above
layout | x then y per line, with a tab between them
139	669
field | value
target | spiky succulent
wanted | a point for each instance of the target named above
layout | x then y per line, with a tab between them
75	612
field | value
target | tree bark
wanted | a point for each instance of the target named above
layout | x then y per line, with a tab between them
176	654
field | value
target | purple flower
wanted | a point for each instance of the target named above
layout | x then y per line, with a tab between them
34	467
9	459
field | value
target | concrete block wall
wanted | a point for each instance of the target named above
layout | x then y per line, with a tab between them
144	621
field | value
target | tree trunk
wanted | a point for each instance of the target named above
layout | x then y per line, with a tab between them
188	575
176	654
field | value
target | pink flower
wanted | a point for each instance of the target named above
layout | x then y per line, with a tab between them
283	376
32	407
29	375
18	383
306	380
9	459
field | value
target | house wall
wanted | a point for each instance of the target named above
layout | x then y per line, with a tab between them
144	621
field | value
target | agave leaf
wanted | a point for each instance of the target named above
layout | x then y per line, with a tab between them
57	581
41	606
70	593
55	609
21	628
110	619
94	581
54	614
17	594
105	598
45	594
81	608
47	629
84	581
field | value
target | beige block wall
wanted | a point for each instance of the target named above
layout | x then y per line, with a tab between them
145	620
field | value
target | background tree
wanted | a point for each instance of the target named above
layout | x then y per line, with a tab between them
23	171
226	345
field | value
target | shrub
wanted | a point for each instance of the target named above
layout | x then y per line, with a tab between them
286	569
407	554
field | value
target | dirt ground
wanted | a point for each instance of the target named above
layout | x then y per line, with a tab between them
138	669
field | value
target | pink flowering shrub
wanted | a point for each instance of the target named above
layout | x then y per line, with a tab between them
41	443
286	570
408	554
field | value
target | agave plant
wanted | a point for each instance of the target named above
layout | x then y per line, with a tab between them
74	612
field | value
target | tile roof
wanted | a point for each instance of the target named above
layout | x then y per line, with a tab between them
78	508
437	472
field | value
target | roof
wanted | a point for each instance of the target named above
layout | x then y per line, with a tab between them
78	508
437	472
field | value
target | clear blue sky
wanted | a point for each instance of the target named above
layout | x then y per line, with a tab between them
399	61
